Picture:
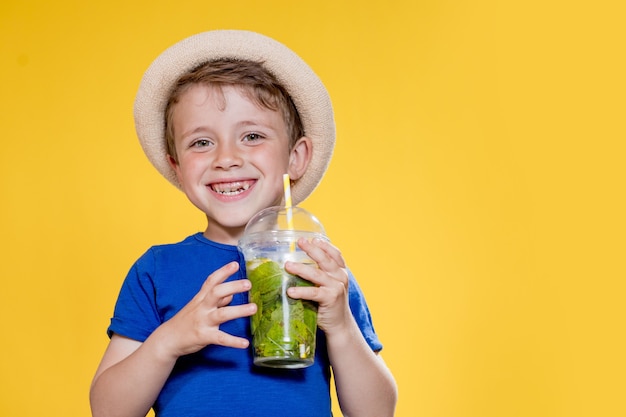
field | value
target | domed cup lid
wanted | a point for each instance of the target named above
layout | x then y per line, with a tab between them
275	220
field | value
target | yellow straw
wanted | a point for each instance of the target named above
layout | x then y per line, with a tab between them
287	188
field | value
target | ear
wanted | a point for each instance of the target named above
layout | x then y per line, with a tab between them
175	166
299	157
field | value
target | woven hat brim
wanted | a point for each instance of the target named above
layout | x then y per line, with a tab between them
305	88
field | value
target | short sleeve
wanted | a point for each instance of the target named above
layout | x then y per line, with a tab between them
136	315
362	315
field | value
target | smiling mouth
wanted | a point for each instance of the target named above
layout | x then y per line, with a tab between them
231	188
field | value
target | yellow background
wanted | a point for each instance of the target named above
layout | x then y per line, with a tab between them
477	189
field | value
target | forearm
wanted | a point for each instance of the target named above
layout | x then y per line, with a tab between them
131	386
365	386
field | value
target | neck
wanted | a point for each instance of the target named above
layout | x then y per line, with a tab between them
227	236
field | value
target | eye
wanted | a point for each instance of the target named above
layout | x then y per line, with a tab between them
252	137
200	143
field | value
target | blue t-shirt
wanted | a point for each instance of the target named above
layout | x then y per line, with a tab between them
217	380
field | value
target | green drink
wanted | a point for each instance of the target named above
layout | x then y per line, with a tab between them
283	328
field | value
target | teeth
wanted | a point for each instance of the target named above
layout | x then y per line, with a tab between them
229	189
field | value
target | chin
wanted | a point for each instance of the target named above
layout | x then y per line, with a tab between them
234	220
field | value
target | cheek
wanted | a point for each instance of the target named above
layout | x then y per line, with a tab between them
188	168
276	159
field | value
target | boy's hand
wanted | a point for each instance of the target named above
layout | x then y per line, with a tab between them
331	280
197	324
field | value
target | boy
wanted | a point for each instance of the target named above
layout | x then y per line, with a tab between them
223	115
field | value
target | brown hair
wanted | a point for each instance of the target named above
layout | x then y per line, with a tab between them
254	80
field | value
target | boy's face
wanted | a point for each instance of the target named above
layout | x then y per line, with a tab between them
232	155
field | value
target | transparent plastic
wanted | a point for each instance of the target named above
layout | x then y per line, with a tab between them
283	329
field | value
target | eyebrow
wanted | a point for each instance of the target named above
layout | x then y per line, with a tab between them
256	122
198	129
241	124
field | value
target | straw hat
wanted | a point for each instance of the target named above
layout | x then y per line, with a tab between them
303	85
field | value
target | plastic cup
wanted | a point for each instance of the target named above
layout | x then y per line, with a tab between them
283	328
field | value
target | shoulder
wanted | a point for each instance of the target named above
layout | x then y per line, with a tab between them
195	258
188	248
354	289
188	243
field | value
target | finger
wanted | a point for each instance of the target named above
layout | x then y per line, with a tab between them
228	340
222	302
224	314
228	289
332	251
323	253
306	293
331	296
306	271
219	276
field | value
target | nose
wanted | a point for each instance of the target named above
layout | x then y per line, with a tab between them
227	156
